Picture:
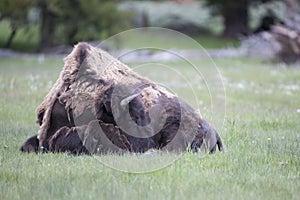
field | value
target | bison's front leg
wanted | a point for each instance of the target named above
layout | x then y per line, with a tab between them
67	140
96	137
30	145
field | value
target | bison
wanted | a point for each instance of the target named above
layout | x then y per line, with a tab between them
98	105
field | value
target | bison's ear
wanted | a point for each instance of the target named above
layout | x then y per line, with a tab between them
81	52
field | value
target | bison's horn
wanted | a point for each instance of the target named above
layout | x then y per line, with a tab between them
127	100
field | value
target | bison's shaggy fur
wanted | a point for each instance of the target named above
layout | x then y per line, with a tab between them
98	105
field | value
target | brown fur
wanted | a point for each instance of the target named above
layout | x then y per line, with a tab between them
96	93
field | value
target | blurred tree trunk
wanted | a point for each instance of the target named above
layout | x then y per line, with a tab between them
11	37
235	16
236	20
15	12
70	34
47	28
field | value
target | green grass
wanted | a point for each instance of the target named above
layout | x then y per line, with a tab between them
164	38
261	102
215	42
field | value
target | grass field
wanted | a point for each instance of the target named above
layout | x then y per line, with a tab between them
261	131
